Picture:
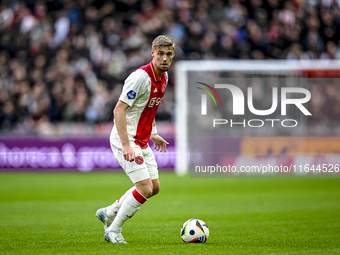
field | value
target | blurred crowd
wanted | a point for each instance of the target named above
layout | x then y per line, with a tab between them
66	60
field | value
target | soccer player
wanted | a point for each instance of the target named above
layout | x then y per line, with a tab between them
134	125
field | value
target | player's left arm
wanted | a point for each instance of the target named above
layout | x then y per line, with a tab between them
158	141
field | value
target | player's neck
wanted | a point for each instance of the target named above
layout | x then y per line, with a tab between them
159	73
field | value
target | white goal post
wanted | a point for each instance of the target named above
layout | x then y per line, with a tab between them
182	69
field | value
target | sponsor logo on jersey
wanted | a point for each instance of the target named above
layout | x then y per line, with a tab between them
139	160
131	94
155	90
155	101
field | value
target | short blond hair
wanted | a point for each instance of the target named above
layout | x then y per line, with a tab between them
163	41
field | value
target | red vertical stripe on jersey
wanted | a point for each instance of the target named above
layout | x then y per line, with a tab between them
146	118
144	126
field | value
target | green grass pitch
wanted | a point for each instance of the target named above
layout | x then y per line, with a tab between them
53	213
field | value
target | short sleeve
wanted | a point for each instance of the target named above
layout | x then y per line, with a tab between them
134	86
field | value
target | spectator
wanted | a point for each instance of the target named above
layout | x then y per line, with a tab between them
67	60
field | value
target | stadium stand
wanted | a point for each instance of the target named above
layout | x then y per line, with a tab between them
66	61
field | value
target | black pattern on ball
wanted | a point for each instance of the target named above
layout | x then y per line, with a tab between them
192	232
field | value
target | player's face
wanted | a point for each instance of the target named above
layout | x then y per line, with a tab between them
162	57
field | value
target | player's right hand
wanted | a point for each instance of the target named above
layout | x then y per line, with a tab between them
129	153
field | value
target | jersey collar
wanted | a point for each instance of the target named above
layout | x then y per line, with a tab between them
155	76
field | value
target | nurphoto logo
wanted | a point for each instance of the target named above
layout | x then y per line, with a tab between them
239	104
204	97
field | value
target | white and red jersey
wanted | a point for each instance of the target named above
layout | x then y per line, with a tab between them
143	91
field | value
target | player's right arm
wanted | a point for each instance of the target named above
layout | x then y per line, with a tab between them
120	122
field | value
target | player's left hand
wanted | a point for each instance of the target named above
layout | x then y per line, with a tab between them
159	143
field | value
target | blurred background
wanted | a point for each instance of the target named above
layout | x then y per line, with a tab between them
63	64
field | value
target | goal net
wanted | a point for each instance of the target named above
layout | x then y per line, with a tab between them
255	115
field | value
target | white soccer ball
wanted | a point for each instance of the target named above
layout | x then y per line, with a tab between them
194	231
